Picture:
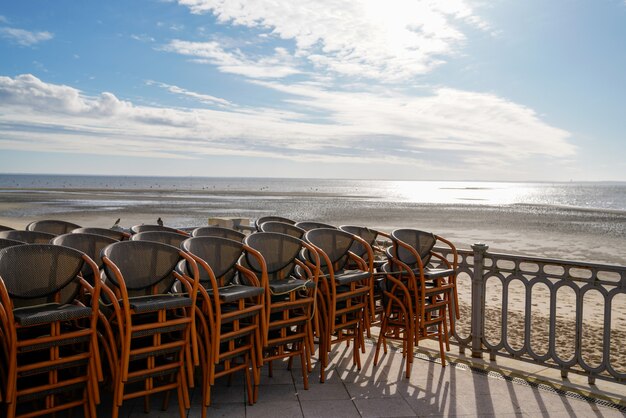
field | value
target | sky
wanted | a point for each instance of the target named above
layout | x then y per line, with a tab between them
502	90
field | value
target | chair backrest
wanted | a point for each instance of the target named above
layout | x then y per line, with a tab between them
35	274
164	237
5	228
423	242
282	228
280	252
221	255
5	242
368	235
309	225
218	231
90	244
117	235
143	264
52	226
334	242
146	228
29	237
260	221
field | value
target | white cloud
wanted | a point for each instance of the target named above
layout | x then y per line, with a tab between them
25	37
448	128
142	37
203	98
278	65
3	19
369	38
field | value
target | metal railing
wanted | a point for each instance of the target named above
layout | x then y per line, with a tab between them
571	292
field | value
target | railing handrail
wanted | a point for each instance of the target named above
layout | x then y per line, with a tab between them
481	265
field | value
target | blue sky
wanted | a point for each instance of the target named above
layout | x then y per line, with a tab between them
454	90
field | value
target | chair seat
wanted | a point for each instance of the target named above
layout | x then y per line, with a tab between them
349	276
49	312
289	284
236	292
141	304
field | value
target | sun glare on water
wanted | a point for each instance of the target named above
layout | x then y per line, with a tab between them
451	192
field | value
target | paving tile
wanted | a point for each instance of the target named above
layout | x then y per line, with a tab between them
290	409
426	403
330	408
223	394
384	407
274	393
487	404
234	410
323	392
372	390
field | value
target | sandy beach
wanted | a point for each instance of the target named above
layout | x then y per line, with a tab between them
556	232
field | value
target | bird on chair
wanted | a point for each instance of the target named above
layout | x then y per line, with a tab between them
160	222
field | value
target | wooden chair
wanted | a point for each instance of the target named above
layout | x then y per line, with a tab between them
346	291
49	337
373	238
92	245
231	302
52	226
398	320
152	328
433	289
290	293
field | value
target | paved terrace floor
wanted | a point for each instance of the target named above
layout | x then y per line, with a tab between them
383	391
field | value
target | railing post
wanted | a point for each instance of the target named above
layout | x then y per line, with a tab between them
478	299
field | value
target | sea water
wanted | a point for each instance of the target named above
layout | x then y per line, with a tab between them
585	195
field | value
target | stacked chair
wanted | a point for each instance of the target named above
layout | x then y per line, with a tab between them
373	238
153	328
417	289
49	335
344	291
290	296
139	312
231	310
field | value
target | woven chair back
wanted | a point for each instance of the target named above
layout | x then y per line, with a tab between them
423	242
164	237
143	264
218	231
111	233
52	226
279	251
29	237
39	273
221	254
283	228
5	242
